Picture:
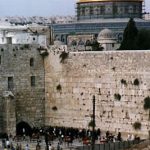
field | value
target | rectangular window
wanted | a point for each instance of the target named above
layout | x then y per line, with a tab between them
9	40
31	62
10	83
2	40
32	80
0	60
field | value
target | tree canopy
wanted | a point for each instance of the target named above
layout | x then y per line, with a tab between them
129	36
96	46
143	39
134	39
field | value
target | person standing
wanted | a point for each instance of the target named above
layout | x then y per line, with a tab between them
58	146
50	147
27	147
38	147
119	137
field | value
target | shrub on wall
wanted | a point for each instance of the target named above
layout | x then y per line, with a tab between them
136	82
123	81
59	88
137	125
54	108
63	56
117	96
91	123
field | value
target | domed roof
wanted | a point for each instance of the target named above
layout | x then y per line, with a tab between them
106	34
88	1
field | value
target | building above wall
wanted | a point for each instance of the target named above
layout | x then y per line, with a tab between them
27	34
94	9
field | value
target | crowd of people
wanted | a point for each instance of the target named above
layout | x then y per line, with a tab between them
62	134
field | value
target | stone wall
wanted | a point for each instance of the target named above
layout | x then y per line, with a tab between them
119	81
15	76
9	113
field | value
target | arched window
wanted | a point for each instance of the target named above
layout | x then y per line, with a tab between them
31	62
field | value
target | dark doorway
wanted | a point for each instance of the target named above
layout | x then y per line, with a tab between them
23	128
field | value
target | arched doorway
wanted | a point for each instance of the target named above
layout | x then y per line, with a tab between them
23	128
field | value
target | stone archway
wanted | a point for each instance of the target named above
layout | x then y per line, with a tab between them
23	128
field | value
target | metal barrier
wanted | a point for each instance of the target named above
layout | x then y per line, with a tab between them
110	145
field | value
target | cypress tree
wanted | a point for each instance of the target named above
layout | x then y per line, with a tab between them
129	36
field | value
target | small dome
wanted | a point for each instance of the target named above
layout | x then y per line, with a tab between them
106	34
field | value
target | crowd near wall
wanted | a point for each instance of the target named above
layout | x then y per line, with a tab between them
49	91
119	80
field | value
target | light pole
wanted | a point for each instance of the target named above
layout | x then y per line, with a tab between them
93	124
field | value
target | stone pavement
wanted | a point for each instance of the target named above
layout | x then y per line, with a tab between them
32	144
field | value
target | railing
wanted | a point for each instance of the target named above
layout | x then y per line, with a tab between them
110	146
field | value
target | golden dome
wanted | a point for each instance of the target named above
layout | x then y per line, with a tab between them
89	1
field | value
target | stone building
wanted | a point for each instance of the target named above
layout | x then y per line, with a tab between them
29	79
22	89
22	76
94	16
27	34
95	9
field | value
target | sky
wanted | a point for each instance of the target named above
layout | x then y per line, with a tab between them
41	7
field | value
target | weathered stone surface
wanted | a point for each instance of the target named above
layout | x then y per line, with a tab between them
86	74
15	63
82	75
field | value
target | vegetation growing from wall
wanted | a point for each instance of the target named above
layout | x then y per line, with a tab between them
136	82
117	96
63	56
91	123
137	125
59	88
54	108
123	81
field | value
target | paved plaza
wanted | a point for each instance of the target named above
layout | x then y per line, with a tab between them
32	144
